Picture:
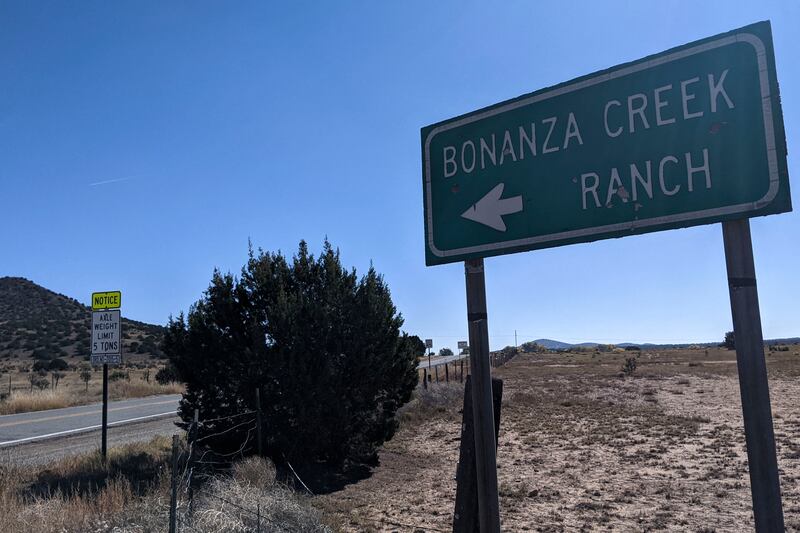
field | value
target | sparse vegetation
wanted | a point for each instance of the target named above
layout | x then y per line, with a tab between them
582	450
118	375
55	377
57	327
532	347
131	493
629	366
75	388
38	380
44	341
86	376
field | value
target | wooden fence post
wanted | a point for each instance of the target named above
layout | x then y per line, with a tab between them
192	436
258	420
173	499
446	373
425	378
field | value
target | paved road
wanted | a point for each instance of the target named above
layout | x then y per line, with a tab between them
438	360
28	427
55	433
48	450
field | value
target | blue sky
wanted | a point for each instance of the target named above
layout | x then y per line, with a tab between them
143	144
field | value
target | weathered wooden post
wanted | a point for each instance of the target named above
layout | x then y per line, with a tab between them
483	414
173	499
753	384
465	517
258	421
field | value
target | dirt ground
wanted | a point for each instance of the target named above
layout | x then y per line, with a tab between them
582	448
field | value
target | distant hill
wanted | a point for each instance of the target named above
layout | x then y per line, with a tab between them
551	344
36	323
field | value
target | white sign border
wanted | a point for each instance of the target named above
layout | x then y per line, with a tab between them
772	155
119	321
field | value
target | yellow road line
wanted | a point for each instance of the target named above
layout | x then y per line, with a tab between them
60	417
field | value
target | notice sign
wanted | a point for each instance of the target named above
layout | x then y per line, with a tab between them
429	343
462	345
106	337
106	300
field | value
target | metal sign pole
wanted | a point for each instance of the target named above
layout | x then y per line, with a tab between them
753	385
483	414
104	438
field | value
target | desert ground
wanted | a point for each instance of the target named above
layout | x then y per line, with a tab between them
583	447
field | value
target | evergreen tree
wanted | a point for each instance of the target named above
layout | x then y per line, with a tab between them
418	345
323	346
730	341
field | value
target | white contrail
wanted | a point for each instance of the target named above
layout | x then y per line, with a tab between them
115	180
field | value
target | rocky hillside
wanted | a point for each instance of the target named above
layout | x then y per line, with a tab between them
36	323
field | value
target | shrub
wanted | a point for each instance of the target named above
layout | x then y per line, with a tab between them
730	341
86	375
118	375
167	375
323	346
40	365
418	345
445	352
54	364
629	367
56	377
532	347
39	380
41	354
58	364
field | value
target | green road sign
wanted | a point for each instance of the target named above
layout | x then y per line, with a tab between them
690	136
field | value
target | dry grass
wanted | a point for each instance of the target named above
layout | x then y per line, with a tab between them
131	494
79	493
22	402
139	389
72	391
250	500
437	401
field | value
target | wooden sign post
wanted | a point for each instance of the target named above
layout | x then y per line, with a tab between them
753	385
483	412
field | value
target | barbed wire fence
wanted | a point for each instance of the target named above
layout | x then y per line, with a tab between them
192	465
460	368
196	467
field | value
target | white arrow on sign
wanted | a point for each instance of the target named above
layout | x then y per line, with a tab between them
490	209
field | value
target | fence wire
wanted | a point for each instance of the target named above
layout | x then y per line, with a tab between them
189	474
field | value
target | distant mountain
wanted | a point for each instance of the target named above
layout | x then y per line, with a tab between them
551	344
790	340
36	323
